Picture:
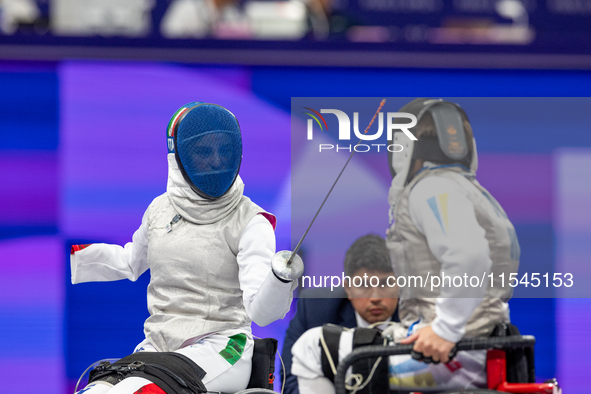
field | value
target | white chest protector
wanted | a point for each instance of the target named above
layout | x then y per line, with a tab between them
194	287
411	255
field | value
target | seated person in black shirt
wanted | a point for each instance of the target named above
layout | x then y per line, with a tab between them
349	306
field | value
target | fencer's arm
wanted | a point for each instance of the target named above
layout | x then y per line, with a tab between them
265	297
104	262
442	211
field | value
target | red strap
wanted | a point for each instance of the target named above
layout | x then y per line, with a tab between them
150	389
77	248
453	365
527	388
271	218
496	368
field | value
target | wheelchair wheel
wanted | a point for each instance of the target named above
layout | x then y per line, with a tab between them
256	391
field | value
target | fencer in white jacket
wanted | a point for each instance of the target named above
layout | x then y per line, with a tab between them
443	224
209	251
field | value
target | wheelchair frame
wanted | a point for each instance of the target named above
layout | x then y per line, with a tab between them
496	363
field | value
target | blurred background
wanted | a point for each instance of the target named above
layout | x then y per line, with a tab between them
87	88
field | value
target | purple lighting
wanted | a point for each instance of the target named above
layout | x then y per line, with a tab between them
29	188
31	309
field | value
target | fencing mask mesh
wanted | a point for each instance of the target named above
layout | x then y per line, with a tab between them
208	149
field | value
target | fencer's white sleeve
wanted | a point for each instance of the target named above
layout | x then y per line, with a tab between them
104	262
441	210
265	297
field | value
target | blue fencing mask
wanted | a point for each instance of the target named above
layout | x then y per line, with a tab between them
207	144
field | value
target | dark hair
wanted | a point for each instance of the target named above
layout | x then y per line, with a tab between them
368	252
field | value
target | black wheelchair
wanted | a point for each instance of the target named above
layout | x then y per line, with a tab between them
263	368
510	365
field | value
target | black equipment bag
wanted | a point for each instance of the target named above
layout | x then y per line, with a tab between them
379	383
332	337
